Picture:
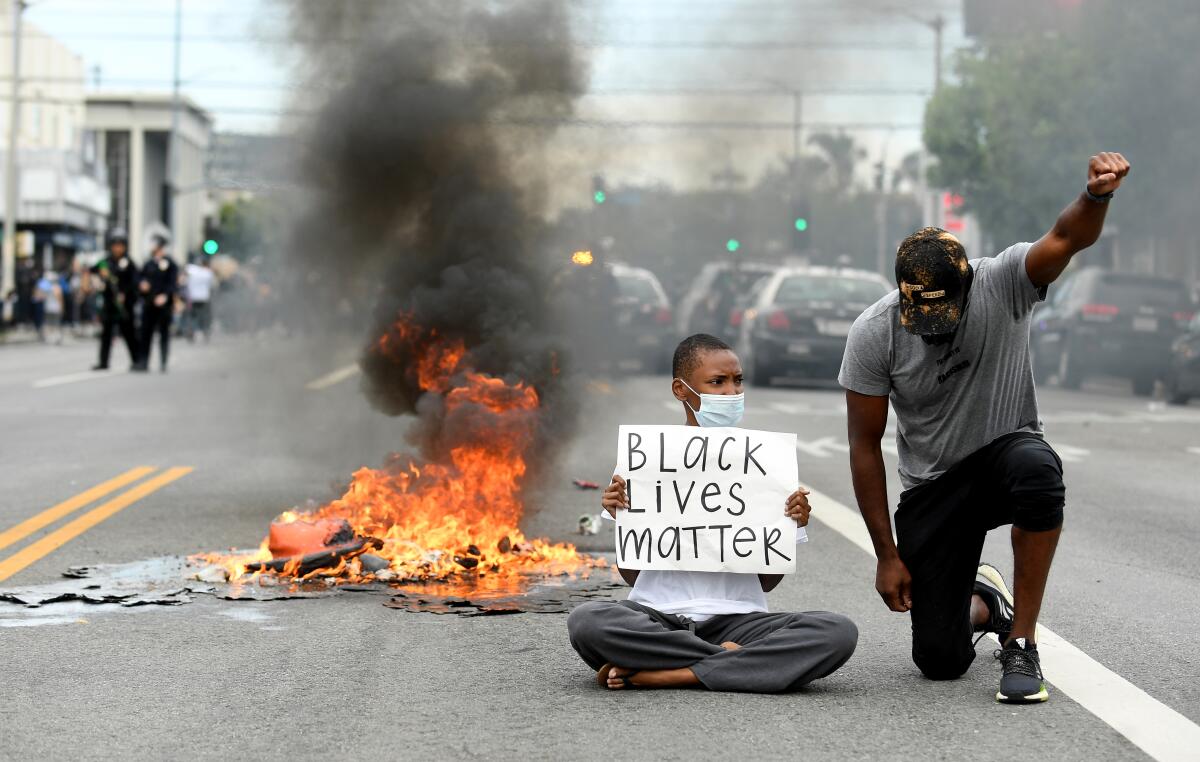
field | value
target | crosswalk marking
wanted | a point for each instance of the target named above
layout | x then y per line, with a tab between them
822	448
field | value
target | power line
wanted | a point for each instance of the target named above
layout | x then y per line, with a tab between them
673	45
851	89
573	122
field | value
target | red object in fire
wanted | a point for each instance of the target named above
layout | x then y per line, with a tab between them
298	538
584	484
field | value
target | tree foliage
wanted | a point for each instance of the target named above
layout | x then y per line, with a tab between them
1013	137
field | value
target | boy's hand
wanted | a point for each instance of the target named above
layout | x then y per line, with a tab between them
614	498
798	507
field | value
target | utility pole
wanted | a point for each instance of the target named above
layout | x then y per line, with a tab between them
173	142
938	25
9	254
797	113
929	205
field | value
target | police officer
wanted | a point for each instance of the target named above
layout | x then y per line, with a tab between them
159	282
118	275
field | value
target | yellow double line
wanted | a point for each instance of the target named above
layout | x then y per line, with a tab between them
69	531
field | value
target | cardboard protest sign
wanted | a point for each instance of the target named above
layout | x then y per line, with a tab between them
706	499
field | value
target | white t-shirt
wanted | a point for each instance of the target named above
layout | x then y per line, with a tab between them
199	283
701	595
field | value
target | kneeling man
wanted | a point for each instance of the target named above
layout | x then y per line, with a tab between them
950	351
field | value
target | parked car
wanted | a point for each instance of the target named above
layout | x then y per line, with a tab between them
643	317
1104	322
719	289
1183	374
797	328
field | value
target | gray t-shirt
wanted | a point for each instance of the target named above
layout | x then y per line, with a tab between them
953	399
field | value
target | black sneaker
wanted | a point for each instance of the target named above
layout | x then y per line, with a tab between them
1021	680
989	585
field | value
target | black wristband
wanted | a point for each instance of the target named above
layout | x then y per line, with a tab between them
1097	199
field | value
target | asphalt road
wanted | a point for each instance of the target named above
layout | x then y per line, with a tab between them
345	676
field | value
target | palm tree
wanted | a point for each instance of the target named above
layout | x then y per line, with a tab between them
842	156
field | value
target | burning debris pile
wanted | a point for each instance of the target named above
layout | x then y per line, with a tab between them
439	519
413	162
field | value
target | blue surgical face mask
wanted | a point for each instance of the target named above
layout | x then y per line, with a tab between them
717	409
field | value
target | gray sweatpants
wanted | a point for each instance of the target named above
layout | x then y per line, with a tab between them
779	652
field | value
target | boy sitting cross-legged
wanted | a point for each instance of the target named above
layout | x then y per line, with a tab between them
710	629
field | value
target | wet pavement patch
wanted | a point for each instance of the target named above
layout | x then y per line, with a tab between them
170	581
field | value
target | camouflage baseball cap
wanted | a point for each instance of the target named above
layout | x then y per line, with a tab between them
932	274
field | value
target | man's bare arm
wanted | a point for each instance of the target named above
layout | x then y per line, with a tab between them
1080	224
867	420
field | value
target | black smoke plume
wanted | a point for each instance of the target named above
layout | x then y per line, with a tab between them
423	112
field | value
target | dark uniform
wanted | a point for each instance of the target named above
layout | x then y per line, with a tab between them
161	275
119	276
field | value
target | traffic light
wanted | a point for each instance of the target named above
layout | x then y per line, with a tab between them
732	245
800	220
599	193
211	246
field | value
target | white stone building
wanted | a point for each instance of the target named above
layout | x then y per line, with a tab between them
132	133
63	192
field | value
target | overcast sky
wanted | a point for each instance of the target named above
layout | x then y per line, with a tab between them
866	64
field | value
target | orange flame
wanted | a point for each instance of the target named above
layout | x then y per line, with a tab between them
457	518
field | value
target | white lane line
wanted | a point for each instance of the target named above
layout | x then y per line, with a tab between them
1152	726
1070	454
70	378
1194	450
336	377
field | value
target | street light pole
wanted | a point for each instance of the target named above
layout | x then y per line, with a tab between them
173	140
9	254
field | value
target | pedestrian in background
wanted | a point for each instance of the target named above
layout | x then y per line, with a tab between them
67	289
43	288
51	296
118	289
159	284
200	281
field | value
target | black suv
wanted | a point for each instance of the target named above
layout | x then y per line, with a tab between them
1103	322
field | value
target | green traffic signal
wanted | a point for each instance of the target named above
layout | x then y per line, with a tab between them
599	197
801	224
211	247
733	245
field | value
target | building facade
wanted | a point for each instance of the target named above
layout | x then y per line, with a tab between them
132	135
63	198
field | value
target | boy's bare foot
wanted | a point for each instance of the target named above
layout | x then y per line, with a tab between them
618	678
729	645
